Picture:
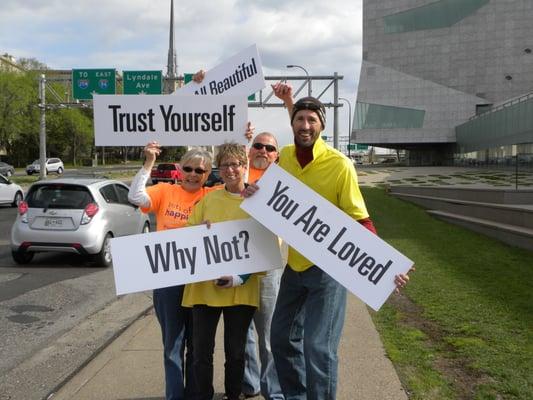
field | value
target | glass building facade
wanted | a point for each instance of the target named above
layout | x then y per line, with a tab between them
440	14
377	116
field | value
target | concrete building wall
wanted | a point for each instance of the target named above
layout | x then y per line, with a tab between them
484	57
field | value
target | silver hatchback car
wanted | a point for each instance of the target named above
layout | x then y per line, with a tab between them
74	215
52	165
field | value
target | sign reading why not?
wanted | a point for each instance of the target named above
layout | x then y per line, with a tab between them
170	120
178	256
348	252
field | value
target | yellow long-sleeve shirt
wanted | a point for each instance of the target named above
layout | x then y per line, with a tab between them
330	174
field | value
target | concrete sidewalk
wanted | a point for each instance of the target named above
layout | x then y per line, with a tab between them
131	367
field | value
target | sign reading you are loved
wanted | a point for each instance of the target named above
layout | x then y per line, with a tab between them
352	255
178	256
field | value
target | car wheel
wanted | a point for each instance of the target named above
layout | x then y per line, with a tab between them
59	171
22	257
154	182
103	258
17	199
29	173
146	228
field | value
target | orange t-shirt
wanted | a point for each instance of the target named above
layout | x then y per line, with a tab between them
172	205
254	174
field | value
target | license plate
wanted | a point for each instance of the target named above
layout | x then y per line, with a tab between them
53	222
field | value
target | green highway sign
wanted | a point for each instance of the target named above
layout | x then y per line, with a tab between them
85	82
352	147
142	82
362	147
187	78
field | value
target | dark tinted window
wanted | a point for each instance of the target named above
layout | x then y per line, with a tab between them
122	194
166	167
214	178
59	196
109	193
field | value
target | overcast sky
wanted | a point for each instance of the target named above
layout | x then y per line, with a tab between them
322	36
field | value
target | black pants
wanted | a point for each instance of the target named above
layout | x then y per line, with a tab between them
236	323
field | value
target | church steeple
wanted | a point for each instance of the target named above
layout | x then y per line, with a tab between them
172	64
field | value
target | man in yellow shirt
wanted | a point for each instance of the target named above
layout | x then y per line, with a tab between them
308	297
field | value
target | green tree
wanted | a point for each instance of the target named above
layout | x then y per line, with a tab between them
69	134
19	114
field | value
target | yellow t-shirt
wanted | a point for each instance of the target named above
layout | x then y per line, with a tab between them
172	205
220	206
332	175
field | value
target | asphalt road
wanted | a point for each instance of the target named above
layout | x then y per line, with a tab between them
39	304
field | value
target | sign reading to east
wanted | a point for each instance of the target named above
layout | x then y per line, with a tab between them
142	82
352	255
194	254
170	120
86	82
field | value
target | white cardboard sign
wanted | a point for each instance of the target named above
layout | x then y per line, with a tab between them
352	255
178	256
241	74
170	120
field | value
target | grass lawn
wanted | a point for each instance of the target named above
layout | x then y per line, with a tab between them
463	328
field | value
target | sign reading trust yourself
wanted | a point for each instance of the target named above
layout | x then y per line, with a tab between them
170	120
241	74
343	248
178	256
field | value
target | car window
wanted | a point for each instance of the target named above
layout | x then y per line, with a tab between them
123	194
109	193
166	167
71	197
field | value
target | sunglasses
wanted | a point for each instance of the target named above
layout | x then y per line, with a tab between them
269	148
199	171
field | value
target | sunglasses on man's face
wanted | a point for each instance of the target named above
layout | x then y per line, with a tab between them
269	148
199	171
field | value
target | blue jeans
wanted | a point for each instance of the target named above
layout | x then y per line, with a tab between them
265	380
176	331
307	364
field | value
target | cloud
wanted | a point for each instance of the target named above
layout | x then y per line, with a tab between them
324	37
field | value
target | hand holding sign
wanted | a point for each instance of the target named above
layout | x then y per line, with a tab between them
349	253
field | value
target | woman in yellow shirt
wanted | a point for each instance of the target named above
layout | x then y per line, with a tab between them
236	296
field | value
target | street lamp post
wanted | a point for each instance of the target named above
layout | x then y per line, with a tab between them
349	125
309	91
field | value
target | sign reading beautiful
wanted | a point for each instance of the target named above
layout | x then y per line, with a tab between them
194	254
241	74
170	120
348	252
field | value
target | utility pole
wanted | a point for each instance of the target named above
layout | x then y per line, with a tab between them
42	127
336	111
349	125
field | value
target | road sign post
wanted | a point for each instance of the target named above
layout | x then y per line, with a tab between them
85	82
142	82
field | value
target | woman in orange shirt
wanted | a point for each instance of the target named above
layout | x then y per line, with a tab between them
172	205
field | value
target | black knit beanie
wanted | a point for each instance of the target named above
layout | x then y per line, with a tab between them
313	104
